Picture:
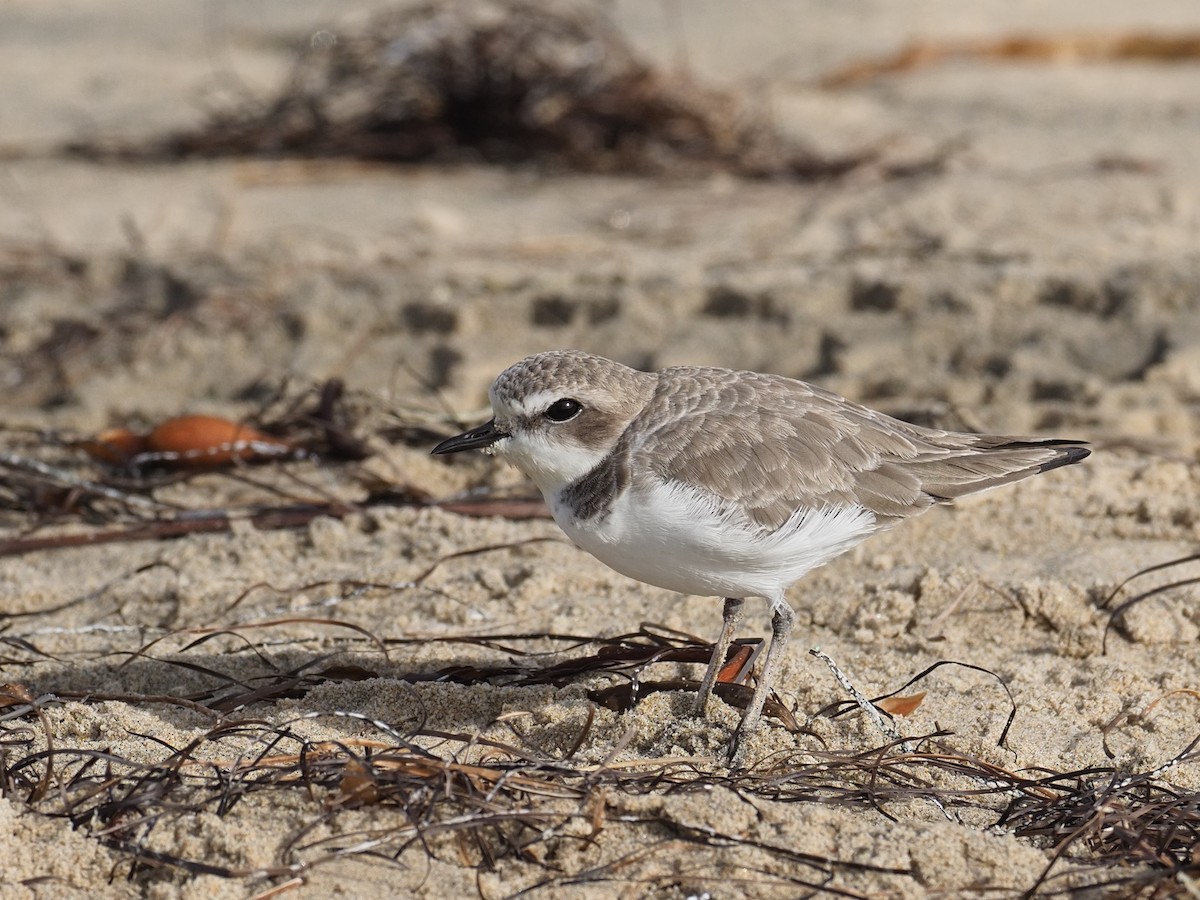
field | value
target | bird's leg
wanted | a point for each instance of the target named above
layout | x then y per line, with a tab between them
781	629
732	615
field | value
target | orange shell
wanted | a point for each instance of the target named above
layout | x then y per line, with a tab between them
901	706
210	441
116	445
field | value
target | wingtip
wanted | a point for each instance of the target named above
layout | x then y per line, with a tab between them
1067	456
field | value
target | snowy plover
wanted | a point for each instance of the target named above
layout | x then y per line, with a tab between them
724	483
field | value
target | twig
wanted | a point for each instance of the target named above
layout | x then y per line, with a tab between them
269	519
860	698
891	732
66	479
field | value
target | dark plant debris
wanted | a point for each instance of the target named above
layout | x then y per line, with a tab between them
1118	611
474	801
625	657
497	81
462	798
881	703
112	483
1109	834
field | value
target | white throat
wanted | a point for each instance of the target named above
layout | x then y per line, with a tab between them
552	464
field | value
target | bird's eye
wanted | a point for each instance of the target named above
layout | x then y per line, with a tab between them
564	409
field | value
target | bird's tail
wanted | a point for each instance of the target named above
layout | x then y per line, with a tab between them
990	462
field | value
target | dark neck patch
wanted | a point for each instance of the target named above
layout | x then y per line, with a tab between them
592	495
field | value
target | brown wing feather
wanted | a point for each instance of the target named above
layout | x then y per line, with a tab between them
772	444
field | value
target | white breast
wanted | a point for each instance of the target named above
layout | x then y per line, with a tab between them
673	537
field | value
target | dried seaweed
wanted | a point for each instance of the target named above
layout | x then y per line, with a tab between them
1120	609
1126	835
500	81
626	657
473	801
50	480
1127	821
841	707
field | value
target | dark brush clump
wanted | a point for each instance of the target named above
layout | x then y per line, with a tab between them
502	81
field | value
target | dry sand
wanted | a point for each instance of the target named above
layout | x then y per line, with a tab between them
1044	279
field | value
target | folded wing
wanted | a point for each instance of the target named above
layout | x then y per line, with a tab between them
771	445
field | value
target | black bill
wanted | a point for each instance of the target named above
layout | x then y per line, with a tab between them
483	436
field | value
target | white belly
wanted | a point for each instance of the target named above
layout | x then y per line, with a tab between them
671	537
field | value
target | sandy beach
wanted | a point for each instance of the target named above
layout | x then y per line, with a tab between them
362	671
